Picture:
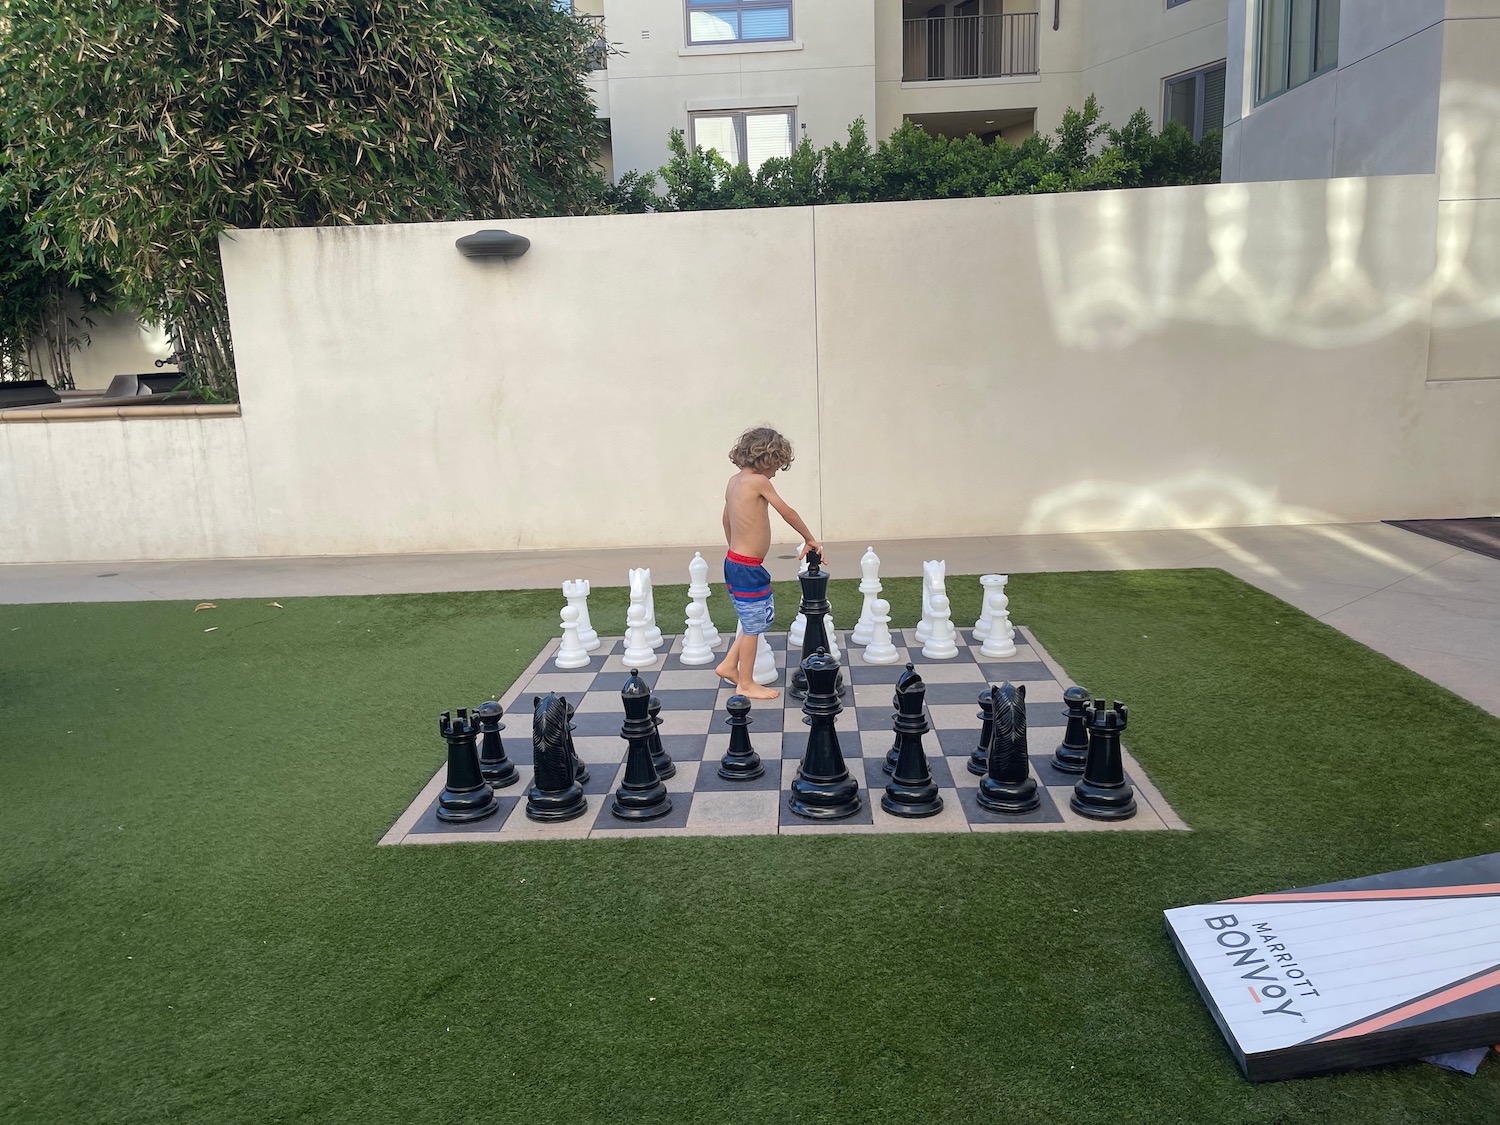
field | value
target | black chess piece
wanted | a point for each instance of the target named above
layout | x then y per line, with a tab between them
1007	785
823	789
580	767
979	759
1073	751
494	763
641	795
891	755
1104	794
741	763
911	791
814	608
467	795
659	756
555	793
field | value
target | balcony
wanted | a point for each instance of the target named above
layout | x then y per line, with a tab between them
599	52
938	49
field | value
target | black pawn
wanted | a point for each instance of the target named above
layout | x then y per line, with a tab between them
911	791
823	789
555	793
659	756
979	759
467	795
1073	751
1104	793
494	764
580	768
741	763
1007	786
641	795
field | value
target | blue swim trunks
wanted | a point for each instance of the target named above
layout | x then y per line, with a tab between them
749	586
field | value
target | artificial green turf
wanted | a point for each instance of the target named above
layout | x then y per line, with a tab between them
196	925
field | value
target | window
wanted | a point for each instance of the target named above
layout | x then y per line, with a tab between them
738	21
1196	100
1174	3
1298	40
749	136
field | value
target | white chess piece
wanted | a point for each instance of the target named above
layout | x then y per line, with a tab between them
798	630
880	650
940	642
695	646
999	642
982	626
571	653
699	590
924	627
765	662
638	650
833	644
651	628
869	586
577	593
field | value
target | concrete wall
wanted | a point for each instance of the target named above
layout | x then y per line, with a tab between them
826	73
1204	356
1131	46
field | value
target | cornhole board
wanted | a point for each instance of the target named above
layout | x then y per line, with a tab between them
1342	975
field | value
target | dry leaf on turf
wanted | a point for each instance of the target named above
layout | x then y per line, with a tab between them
204	605
210	629
278	605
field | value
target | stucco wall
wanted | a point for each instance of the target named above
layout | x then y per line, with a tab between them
1205	356
1131	46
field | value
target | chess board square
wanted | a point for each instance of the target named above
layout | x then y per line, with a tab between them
740	809
1049	774
615	666
998	671
958	769
950	819
703	678
684	774
428	822
690	699
946	695
682	804
1046	813
519	826
877	673
600	701
786	818
596	662
603	777
855	658
696	722
603	749
673	662
951	672
684	747
715	746
876	777
957	741
875	743
876	696
570	684
709	780
597	724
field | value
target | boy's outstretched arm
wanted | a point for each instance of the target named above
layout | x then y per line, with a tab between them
789	513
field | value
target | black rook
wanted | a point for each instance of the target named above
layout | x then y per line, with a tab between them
467	795
1104	794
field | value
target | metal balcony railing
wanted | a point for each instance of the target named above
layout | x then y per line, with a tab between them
599	52
952	47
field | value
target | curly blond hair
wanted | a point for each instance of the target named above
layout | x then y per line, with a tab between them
762	449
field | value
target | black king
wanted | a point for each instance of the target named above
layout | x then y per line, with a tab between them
814	609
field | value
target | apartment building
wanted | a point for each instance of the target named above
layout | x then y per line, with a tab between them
752	77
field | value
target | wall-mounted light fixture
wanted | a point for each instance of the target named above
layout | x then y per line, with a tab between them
493	244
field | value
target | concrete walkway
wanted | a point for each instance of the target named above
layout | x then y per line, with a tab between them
1432	607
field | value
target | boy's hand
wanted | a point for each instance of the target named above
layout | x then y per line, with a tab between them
810	545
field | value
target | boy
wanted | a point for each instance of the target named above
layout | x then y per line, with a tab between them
760	454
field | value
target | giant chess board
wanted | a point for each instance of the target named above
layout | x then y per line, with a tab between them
694	733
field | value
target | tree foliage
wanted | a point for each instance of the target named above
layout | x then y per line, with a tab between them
141	130
1086	154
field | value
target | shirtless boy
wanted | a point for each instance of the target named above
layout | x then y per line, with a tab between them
760	454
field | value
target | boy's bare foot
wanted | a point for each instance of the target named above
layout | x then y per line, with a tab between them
728	670
754	690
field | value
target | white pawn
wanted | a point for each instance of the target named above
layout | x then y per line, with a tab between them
869	586
695	646
982	626
798	630
940	643
765	662
638	650
880	650
571	653
651	629
698	590
577	593
1000	642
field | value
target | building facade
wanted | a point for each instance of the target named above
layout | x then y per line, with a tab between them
752	77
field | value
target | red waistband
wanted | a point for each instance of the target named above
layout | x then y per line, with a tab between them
743	560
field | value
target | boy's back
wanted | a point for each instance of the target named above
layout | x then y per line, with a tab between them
748	513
